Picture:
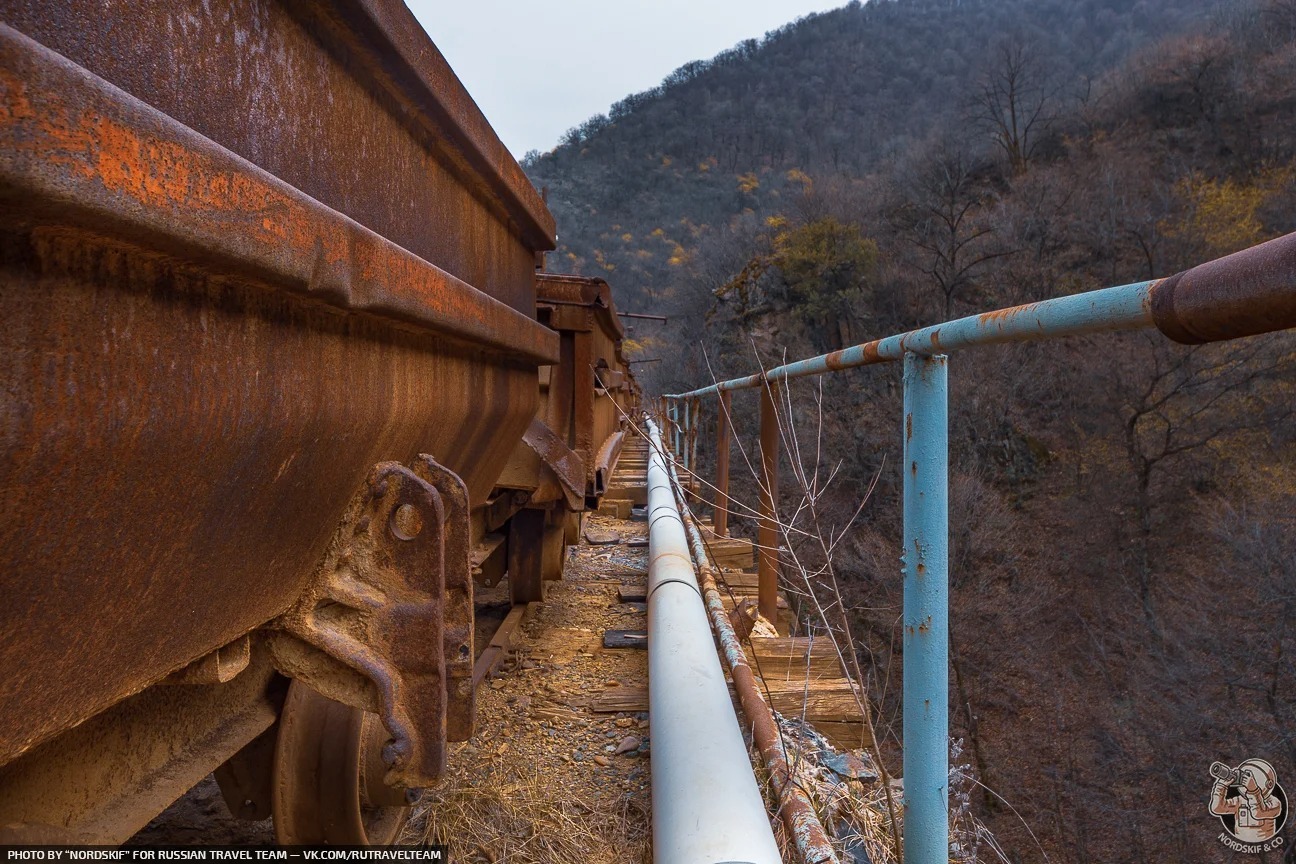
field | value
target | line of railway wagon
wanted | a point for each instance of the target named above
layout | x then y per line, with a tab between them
282	382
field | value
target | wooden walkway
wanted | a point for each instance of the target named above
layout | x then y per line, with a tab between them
802	677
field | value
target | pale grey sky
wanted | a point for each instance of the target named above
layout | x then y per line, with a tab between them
537	69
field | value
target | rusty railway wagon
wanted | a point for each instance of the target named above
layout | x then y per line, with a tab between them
567	455
271	368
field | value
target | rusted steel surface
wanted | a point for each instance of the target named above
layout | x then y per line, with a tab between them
80	153
565	464
220	320
526	556
346	100
591	391
606	460
795	809
105	779
499	645
327	778
1244	294
387	622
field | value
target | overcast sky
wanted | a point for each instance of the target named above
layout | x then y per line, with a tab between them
537	69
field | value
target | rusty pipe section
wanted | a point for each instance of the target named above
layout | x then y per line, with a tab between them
1126	307
706	807
1243	294
798	814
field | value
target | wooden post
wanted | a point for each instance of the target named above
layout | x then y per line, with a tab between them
693	437
767	535
526	556
721	521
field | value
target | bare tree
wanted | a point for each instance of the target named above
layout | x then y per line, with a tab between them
1262	537
1191	398
1016	102
942	218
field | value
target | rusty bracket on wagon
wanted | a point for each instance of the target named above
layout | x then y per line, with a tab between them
557	460
386	624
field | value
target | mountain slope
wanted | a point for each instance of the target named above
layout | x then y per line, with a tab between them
636	191
1123	552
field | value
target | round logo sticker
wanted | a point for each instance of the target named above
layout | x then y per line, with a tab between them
1250	804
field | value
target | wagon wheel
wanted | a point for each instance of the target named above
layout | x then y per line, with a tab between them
328	775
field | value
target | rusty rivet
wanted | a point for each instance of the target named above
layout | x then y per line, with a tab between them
406	522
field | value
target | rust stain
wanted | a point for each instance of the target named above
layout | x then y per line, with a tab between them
118	155
1003	316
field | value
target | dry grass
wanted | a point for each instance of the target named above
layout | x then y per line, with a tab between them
528	821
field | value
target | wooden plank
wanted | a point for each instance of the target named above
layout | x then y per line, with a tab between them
617	699
636	494
729	601
731	552
844	736
738	579
561	644
826	705
632	593
558	714
498	646
616	509
793	658
824	701
625	639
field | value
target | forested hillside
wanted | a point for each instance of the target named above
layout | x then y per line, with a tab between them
637	191
1123	540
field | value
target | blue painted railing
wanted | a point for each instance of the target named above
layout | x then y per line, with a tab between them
1245	294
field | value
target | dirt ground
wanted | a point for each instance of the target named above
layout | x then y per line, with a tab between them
542	780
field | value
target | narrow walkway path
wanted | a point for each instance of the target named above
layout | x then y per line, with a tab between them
559	768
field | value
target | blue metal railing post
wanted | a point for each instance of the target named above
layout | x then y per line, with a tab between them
926	609
674	425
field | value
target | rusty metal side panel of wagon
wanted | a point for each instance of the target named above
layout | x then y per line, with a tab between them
590	394
249	252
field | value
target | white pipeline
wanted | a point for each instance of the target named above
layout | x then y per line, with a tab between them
706	807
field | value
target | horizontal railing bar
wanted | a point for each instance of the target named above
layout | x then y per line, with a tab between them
1243	294
1127	307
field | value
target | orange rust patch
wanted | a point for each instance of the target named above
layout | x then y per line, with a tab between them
1004	315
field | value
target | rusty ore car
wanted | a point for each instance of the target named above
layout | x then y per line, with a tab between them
276	390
